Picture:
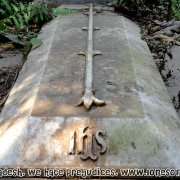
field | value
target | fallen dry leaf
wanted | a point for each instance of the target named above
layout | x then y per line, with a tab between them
162	37
5	46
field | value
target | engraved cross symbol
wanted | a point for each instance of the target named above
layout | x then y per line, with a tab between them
88	98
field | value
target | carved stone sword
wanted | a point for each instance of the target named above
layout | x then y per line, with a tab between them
88	98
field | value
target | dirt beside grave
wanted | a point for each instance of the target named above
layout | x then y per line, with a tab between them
11	61
163	39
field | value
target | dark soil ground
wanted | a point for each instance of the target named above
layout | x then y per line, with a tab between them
163	39
11	61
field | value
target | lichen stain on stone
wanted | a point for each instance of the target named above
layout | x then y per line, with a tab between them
121	139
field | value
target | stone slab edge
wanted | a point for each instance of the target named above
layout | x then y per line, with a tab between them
86	7
30	76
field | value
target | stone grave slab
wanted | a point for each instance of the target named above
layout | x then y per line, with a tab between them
56	3
40	126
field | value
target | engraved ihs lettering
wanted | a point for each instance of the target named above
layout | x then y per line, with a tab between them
88	145
100	140
72	142
84	143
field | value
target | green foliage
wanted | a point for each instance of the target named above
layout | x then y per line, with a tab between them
20	21
176	8
19	18
40	13
12	37
2	26
23	15
173	7
35	42
63	11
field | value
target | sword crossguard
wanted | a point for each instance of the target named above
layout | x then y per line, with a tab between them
96	28
86	28
82	53
95	53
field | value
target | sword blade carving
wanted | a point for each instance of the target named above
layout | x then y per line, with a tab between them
89	98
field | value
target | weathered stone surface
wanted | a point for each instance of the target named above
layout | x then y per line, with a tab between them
140	124
86	7
56	3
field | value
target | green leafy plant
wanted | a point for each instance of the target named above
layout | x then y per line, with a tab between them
40	13
173	7
35	42
2	26
23	15
176	8
20	21
15	14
